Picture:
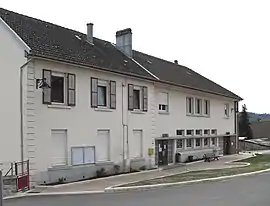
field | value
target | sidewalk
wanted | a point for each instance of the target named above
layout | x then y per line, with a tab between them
102	183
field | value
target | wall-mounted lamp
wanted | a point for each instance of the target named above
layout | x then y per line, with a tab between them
42	84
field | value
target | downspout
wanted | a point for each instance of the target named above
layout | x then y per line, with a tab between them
21	112
123	128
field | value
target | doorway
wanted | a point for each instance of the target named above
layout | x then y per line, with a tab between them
226	145
162	152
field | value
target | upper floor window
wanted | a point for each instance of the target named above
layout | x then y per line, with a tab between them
206	107
163	102
198	106
190	132
189	105
180	132
137	98
61	89
214	132
206	132
226	110
198	132
103	93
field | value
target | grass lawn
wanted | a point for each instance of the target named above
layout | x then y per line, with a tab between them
259	162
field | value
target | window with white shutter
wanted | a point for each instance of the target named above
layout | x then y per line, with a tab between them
163	102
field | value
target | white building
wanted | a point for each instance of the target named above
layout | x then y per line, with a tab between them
76	104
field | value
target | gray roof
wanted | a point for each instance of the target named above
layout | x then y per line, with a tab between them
55	42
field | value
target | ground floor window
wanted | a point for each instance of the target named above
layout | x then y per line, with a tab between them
189	143
205	141
82	155
198	142
213	141
136	144
179	143
58	147
103	145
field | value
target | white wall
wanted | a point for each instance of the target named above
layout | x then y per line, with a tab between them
177	118
82	121
11	59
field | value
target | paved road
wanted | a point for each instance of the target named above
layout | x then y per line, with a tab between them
244	191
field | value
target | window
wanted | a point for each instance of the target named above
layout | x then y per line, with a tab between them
179	143
206	132
136	144
189	142
57	88
58	149
198	142
180	132
206	107
190	132
213	141
189	105
198	105
205	141
103	146
137	98
198	132
214	132
226	110
103	93
163	102
61	88
82	155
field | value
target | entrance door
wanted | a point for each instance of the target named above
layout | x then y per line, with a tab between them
226	145
162	152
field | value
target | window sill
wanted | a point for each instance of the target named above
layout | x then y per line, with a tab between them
198	115
59	106
103	109
163	112
138	112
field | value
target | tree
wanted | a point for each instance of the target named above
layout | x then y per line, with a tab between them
244	124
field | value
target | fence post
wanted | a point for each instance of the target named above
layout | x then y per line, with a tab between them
1	189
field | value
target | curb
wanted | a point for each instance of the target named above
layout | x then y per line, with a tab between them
163	185
54	194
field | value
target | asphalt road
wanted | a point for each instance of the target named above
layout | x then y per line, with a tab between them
243	191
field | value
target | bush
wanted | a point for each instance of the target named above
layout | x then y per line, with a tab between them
116	169
101	172
142	167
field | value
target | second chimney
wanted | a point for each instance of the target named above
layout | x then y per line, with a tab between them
124	41
90	33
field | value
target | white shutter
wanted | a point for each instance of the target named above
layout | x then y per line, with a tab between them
59	147
136	144
103	146
163	98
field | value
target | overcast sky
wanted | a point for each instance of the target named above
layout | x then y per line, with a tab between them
227	41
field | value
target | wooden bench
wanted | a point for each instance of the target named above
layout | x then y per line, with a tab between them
210	156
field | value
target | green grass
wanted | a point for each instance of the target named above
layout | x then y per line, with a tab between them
259	162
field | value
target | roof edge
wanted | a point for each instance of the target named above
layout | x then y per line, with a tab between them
128	74
15	34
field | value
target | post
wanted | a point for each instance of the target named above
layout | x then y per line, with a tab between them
1	189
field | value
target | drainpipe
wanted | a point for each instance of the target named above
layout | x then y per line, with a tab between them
123	128
21	110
